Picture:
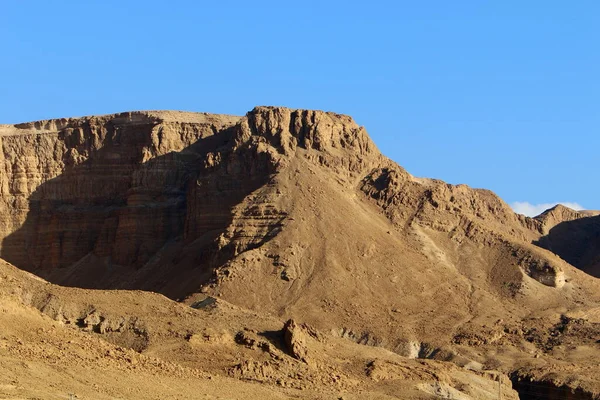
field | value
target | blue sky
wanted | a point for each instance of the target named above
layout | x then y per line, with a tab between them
503	95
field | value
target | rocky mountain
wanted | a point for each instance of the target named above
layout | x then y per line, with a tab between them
574	236
295	215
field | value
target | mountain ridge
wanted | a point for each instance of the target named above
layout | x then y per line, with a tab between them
294	214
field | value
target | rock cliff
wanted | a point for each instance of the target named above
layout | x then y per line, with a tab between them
112	186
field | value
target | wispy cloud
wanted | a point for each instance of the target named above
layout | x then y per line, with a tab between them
531	210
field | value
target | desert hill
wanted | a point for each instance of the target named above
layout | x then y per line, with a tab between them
295	214
574	236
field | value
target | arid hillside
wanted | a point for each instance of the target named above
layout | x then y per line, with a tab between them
396	286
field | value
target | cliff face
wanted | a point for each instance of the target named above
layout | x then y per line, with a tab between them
113	185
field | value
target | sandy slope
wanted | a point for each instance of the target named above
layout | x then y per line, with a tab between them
83	343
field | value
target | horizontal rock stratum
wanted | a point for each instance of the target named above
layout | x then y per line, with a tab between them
297	215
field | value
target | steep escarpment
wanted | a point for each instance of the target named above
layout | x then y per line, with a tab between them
113	187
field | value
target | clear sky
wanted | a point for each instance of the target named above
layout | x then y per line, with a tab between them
503	95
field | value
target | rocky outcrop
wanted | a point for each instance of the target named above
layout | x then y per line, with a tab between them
438	205
573	236
295	340
558	215
328	139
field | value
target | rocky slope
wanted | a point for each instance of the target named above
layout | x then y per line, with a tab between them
296	214
574	236
58	342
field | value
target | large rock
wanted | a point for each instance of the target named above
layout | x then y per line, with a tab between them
295	340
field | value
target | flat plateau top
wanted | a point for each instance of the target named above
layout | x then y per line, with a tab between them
54	125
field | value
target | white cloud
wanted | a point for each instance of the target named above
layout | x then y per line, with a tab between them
531	210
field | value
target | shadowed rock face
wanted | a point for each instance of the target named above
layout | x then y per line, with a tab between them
576	241
530	388
112	185
106	191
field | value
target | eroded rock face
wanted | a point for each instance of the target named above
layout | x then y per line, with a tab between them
336	140
114	186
